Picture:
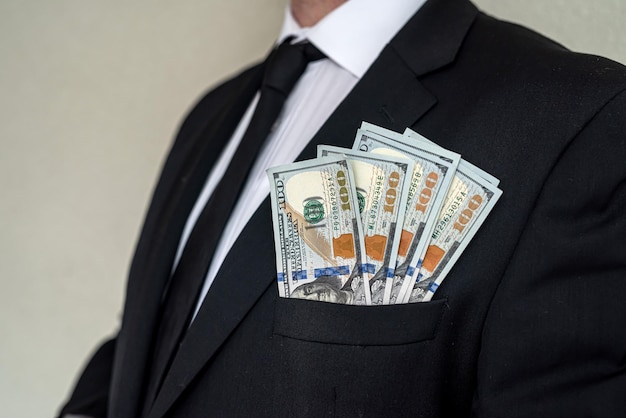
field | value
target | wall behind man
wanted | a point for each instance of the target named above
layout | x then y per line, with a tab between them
91	95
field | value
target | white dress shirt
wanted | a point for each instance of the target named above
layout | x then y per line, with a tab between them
351	37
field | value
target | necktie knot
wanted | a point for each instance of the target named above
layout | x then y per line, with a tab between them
286	64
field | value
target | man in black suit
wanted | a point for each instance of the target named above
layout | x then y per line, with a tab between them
530	321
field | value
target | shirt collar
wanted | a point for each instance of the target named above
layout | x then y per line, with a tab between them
354	34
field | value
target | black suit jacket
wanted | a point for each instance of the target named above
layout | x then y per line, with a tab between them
531	320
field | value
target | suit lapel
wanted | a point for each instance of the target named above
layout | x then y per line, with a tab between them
184	174
390	94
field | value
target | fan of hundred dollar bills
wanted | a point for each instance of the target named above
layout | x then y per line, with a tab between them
382	223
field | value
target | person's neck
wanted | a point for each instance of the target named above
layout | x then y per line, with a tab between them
308	12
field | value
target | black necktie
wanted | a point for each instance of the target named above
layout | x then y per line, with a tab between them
282	69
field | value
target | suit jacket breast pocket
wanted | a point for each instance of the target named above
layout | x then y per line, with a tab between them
357	325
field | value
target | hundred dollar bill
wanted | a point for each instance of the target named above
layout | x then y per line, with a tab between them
317	232
468	203
420	289
382	187
433	173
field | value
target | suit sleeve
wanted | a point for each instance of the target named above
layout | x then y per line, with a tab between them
91	393
554	341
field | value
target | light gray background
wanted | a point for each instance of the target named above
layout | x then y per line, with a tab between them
91	94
